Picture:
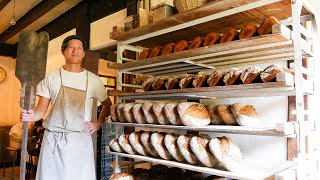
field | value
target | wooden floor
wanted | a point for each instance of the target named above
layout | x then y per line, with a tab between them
16	172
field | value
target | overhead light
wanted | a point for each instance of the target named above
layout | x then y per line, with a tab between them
13	19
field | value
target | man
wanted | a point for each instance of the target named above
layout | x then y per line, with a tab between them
67	150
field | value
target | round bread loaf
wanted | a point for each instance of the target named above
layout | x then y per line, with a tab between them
215	118
147	84
115	145
232	76
173	82
158	109
196	42
225	113
127	110
200	147
249	75
144	54
157	141
200	79
181	46
246	115
266	25
270	73
168	48
120	112
186	81
156	51
227	152
148	113
121	176
211	39
125	144
134	139
146	141
138	114
185	150
249	31
172	114
170	141
229	35
113	112
193	114
215	78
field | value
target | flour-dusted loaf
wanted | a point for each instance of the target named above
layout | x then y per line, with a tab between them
125	144
147	84
148	113
215	78
168	48
115	145
249	31
227	153
232	76
127	110
138	113
266	25
173	82
193	114
170	141
215	118
158	109
196	42
200	79
171	111
211	39
134	139
250	75
229	35
159	83
183	142
246	115
144	54
113	112
157	141
121	176
225	113
120	112
146	141
270	73
186	81
200	147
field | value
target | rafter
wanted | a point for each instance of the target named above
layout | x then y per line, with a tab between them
3	3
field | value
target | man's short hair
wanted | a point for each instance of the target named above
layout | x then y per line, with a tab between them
67	39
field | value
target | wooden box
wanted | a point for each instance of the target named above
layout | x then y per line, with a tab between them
143	18
162	11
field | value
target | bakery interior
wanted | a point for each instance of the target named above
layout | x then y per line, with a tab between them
201	89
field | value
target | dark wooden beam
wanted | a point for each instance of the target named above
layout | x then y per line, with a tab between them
8	50
3	3
106	54
83	23
131	7
35	13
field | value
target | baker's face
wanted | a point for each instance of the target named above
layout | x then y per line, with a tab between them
74	52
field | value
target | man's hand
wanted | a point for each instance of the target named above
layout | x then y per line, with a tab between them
26	115
92	127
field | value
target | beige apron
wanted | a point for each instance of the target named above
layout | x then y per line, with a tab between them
67	151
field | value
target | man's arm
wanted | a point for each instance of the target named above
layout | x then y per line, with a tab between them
36	113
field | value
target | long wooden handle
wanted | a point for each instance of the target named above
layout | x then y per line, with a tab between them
24	150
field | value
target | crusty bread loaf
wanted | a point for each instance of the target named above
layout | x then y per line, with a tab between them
156	51
229	35
270	73
227	152
215	78
144	54
196	42
121	176
215	118
266	25
157	141
211	39
193	114
183	142
170	141
225	113
171	111
134	139
147	84
138	114
250	74
181	46
127	110
146	141
115	145
125	144
120	112
200	147
249	31
159	83
113	112
148	113
173	82
232	76
158	109
200	79
186	81
168	48
246	115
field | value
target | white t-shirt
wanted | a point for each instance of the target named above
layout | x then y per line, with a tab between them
49	87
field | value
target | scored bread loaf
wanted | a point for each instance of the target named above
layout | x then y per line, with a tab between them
159	83
113	112
121	176
157	141
148	113
232	76
115	145
211	39
195	43
227	153
156	51
249	31
183	142
125	144
229	35
200	147
186	81
173	82
170	141
215	78
200	79
266	25
225	113
127	110
138	114
146	141
181	46
134	139
246	115
147	84
158	109
120	112
215	118
171	111
168	48
193	114
144	54
270	73
250	74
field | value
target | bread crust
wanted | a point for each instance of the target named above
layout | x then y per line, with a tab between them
200	147
249	31
115	145
183	142
134	139
127	110
173	82
168	48
193	114
125	144
158	109
200	79
229	35
138	114
146	142
232	76
215	118
144	54
266	25
159	83
196	42
157	141
181	46
148	113
270	73
170	141
147	84
113	112
215	78
250	74
225	113
246	115
211	39
121	176
172	114
156	51
120	112
186	81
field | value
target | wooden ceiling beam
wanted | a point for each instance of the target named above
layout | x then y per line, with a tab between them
3	3
8	50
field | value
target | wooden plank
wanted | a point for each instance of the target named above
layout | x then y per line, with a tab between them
3	3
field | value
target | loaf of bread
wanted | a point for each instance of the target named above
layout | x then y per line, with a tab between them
186	81
183	142
211	39
181	46
113	112
134	139
156	51
157	141
195	43
229	35
127	110
148	113
215	78
170	141
144	54
246	115
173	82
125	144
146	141
168	48
215	118
227	153
171	111
200	79
225	113
200	147
266	25
138	114
121	176
193	114
249	31
270	73
250	75
232	76
159	83
115	145
158	109
120	112
147	84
